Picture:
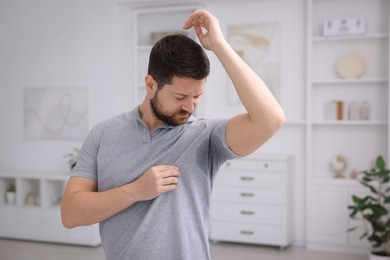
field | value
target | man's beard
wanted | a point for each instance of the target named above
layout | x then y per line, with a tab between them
166	118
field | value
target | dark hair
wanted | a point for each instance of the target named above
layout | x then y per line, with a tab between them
177	55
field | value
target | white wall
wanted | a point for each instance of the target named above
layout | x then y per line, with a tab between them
48	43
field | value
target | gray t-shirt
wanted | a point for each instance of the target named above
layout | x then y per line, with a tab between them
174	225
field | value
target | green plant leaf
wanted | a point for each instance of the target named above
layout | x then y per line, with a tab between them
351	229
367	179
375	240
365	234
353	213
377	211
372	188
357	200
378	226
380	163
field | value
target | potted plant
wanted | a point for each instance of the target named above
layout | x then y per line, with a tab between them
72	157
10	194
373	209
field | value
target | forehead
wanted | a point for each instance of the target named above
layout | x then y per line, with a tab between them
186	86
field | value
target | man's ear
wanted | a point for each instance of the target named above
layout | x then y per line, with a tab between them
151	86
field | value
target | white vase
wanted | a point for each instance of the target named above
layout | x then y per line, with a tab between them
378	257
10	196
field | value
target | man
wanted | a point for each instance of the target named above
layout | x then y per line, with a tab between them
146	175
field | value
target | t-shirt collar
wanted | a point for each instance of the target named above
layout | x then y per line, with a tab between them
139	119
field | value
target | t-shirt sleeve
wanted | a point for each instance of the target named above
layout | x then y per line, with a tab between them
218	145
86	165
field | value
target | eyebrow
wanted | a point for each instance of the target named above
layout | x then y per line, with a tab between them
183	95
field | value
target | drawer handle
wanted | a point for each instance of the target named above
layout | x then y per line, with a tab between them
247	233
246	212
266	165
246	178
247	194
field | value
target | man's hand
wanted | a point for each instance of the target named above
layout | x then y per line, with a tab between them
212	36
155	181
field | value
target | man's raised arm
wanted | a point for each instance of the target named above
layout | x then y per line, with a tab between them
245	132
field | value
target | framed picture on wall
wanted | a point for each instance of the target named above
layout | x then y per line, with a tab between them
259	45
55	113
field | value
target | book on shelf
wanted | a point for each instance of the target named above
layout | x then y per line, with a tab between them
334	110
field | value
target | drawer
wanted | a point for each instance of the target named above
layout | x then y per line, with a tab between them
251	178
248	213
255	165
240	232
249	195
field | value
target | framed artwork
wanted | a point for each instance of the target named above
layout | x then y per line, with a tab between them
55	113
259	45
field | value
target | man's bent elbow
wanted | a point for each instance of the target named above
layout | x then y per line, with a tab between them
66	221
279	121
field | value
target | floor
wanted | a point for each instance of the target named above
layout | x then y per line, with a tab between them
23	250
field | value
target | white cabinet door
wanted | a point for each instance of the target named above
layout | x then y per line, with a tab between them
328	211
8	225
52	225
29	222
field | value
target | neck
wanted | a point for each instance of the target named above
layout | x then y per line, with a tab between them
147	115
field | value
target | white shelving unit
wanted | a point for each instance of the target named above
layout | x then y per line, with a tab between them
252	201
36	213
151	20
360	141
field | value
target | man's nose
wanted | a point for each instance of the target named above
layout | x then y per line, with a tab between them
189	106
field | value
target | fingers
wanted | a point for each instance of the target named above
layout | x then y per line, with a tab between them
156	181
198	31
197	18
166	175
168	170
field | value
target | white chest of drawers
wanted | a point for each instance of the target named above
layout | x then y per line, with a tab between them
252	201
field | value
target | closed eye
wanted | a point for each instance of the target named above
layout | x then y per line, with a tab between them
180	97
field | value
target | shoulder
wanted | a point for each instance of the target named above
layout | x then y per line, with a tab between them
115	122
206	127
208	122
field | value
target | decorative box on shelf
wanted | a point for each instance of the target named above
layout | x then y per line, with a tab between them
340	27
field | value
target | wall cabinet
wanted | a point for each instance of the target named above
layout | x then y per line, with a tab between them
252	201
347	109
36	213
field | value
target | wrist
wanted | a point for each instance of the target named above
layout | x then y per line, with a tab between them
130	193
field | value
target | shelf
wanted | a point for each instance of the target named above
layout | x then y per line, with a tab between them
296	123
320	39
335	182
349	81
349	123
